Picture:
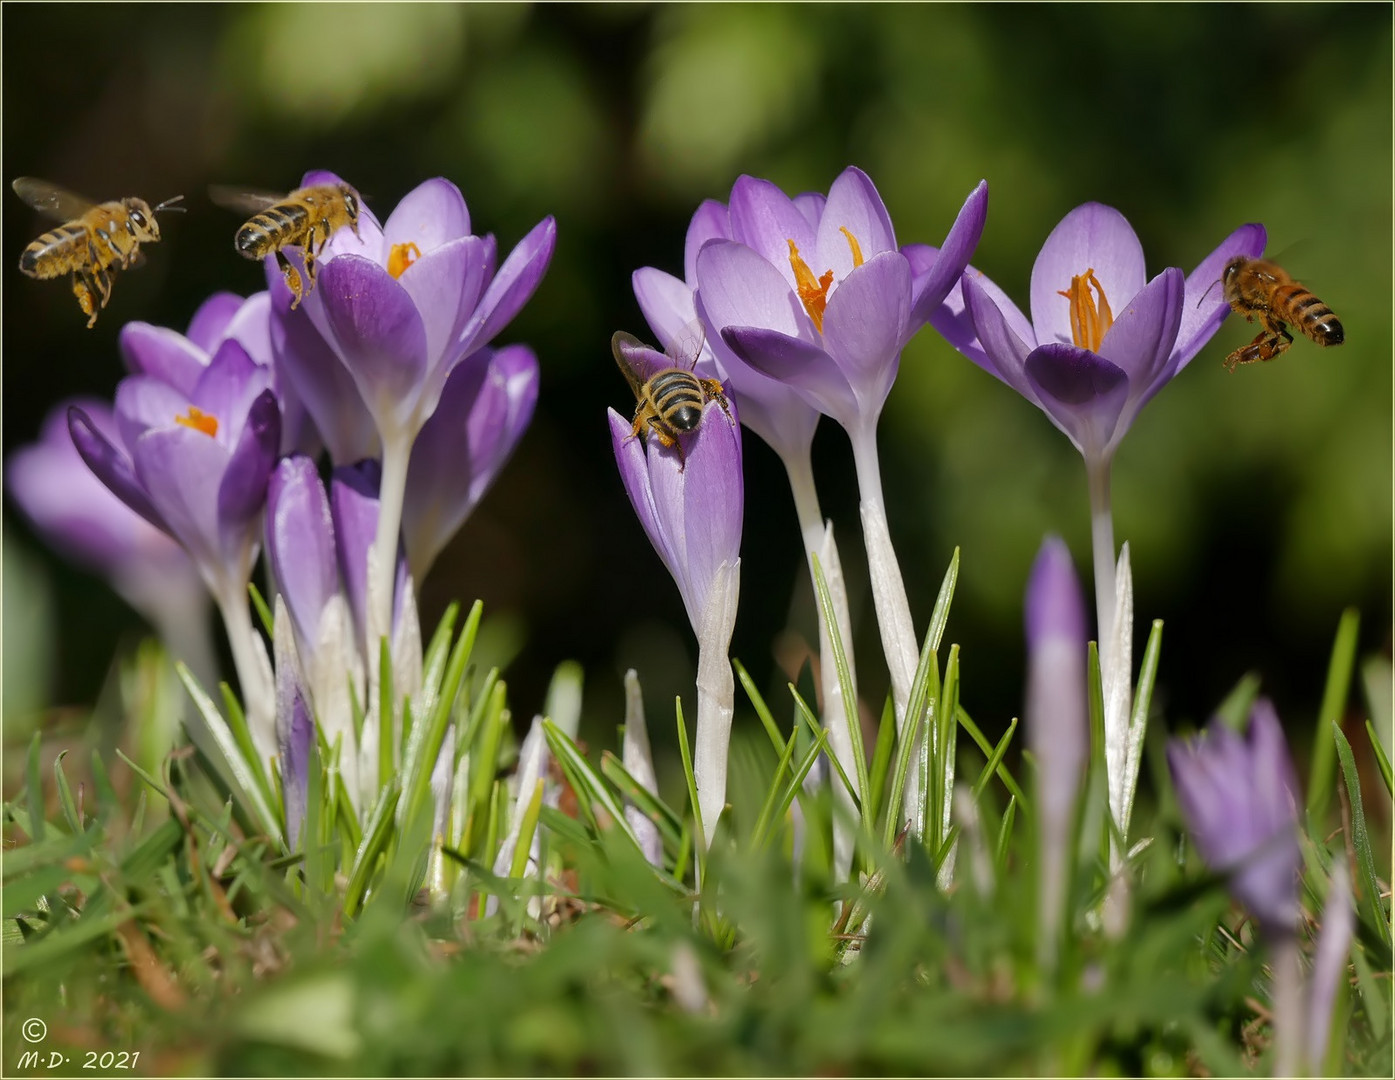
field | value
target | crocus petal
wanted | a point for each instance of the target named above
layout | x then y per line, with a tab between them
379	335
853	204
1091	237
445	285
933	286
1203	305
112	467
242	492
300	542
227	389
666	302
1144	332
295	729
1082	393
1000	328
738	287
182	470
353	503
633	464
430	215
865	324
162	354
512	287
250	327
811	204
807	369
765	220
143	402
210	322
323	384
710	222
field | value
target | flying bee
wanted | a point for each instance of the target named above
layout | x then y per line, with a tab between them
669	399
93	241
1258	289
297	219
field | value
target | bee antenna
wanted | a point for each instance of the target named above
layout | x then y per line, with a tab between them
169	204
1208	291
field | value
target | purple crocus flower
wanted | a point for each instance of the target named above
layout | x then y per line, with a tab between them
691	512
401	305
196	464
814	292
485	407
1238	796
1057	720
77	515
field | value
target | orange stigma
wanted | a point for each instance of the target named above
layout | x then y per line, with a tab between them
199	421
401	257
1089	322
813	292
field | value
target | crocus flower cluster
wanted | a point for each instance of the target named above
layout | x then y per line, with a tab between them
388	364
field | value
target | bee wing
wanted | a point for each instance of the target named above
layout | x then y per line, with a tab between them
637	361
686	346
243	200
50	199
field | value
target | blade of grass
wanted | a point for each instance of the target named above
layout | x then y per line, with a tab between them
375	840
259	605
650	805
387	764
767	719
1382	761
65	795
527	827
994	760
691	781
796	783
845	687
1001	771
35	792
896	818
1000	852
1322	776
772	796
882	751
584	776
942	748
1360	837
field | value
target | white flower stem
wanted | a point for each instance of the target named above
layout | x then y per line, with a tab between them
182	624
818	540
716	696
382	557
1102	540
888	591
253	668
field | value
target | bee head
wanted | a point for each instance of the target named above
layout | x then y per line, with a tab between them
140	219
350	204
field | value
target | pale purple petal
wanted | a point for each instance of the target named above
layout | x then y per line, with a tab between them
143	402
250	327
807	369
378	333
633	464
353	503
295	736
710	222
853	204
1203	305
865	324
113	467
933	284
430	215
1143	334
738	287
1000	327
1091	237
162	354
182	470
210	322
445	285
666	302
1055	606
512	287
765	220
1082	393
811	204
300	542
227	388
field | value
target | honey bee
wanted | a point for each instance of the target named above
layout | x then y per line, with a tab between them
1255	288
92	242
669	400
296	219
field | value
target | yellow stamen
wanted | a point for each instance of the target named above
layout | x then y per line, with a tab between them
199	421
401	257
813	293
852	243
1089	321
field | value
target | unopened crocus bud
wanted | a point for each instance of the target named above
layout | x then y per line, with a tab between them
1057	719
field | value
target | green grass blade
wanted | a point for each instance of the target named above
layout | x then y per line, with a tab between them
584	776
699	834
527	827
940	615
810	721
1381	760
767	719
845	682
796	782
259	605
433	661
387	764
1001	771
994	760
1322	775
1361	838
1000	850
374	845
905	753
1234	709
879	771
35	792
772	796
670	825
65	795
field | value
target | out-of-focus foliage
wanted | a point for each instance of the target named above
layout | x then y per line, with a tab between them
1257	504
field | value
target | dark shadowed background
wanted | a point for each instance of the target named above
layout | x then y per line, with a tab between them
1257	504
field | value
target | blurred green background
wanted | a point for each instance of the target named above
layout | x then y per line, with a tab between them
1257	504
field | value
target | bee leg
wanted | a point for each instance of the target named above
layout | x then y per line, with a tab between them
667	441
83	291
292	276
1276	345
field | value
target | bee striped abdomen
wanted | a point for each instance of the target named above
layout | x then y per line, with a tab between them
54	253
1309	314
678	397
281	224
